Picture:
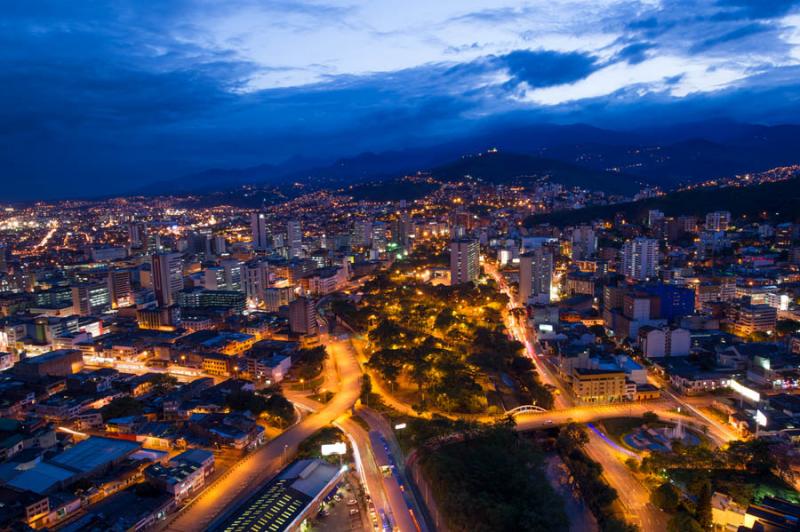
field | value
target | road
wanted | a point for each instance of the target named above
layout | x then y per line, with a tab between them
633	495
524	335
381	426
256	469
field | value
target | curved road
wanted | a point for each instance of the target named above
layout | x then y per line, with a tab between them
249	474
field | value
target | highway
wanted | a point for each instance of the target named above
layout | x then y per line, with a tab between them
253	471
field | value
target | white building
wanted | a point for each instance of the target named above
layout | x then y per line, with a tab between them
659	342
535	276
167	277
718	221
464	261
640	258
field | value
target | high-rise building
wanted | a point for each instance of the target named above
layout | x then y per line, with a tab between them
256	281
535	275
275	298
464	261
640	258
258	229
718	221
136	235
303	316
379	236
91	298
167	277
362	233
232	269
294	236
584	242
119	282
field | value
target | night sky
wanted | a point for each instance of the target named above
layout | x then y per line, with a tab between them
103	97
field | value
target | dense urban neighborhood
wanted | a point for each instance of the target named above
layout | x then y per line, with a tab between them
443	362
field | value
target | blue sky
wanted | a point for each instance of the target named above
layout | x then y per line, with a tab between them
114	94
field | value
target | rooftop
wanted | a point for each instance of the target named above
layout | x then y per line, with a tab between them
94	452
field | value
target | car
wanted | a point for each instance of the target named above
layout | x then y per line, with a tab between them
352	502
353	511
548	422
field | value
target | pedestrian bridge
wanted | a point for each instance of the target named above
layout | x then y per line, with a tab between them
525	409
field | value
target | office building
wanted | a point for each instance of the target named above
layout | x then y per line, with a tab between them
91	298
744	319
167	277
303	316
362	233
640	258
258	230
255	281
294	237
119	282
535	276
600	386
464	261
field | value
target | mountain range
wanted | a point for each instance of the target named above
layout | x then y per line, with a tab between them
574	155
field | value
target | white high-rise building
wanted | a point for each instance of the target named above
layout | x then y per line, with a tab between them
256	281
718	221
464	261
258	228
535	276
294	237
167	277
584	242
640	258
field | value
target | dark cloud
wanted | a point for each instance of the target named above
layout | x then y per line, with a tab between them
634	53
544	68
754	9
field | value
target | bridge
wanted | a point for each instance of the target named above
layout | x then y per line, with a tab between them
525	409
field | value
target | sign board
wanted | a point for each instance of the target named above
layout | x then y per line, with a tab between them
334	448
745	392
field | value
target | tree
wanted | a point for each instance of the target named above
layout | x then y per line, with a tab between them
366	389
280	409
572	436
122	407
683	522
666	496
703	513
163	382
649	417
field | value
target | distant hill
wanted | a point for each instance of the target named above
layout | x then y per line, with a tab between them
747	149
782	197
575	154
511	168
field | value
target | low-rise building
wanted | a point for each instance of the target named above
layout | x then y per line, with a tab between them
599	385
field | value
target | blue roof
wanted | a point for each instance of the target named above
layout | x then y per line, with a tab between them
94	452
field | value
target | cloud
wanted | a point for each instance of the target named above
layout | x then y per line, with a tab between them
115	94
543	68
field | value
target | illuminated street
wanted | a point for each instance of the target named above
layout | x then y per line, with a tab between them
260	466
